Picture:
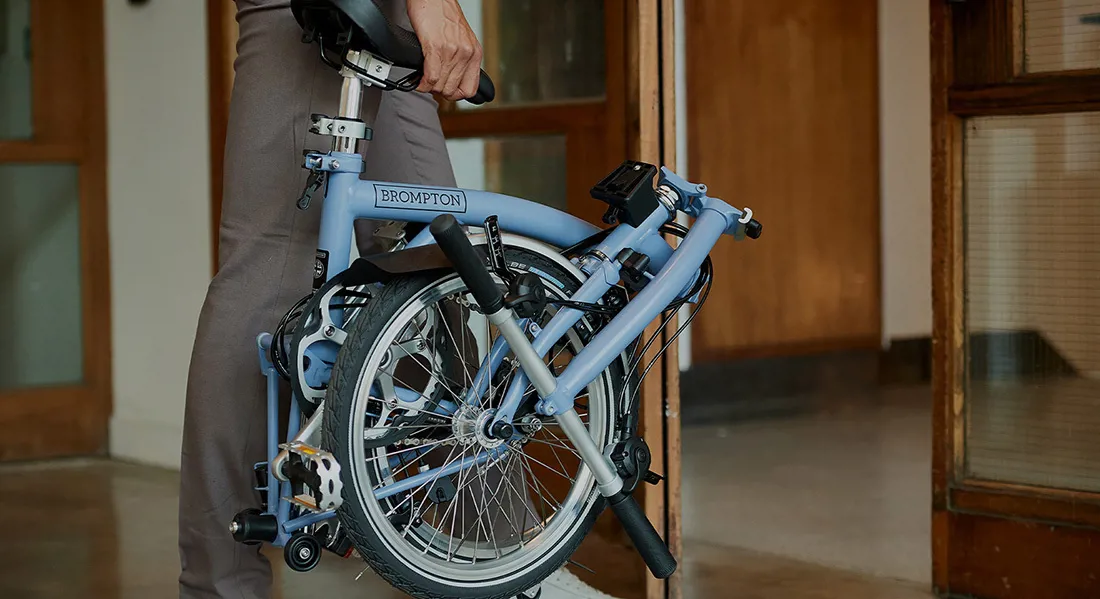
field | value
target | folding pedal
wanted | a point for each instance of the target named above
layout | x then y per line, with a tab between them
314	475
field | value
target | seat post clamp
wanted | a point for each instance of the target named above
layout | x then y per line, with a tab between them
340	127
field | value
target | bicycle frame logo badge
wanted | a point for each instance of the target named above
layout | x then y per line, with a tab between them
419	198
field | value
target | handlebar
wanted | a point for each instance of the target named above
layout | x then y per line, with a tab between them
370	29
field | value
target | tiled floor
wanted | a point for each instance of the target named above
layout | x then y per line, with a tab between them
791	508
847	485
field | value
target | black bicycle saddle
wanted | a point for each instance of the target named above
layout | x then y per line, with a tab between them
362	25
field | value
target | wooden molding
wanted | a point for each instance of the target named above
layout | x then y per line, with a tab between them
95	240
983	44
1039	504
53	422
550	118
673	485
946	318
1031	95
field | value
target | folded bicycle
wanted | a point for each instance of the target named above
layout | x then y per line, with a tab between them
465	405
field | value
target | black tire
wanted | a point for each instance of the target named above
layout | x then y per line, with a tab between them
338	421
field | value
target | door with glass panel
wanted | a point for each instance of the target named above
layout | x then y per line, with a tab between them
558	122
54	316
1016	187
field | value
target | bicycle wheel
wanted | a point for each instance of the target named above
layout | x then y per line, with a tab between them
397	407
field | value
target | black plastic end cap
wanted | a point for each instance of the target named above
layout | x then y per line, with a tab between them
753	229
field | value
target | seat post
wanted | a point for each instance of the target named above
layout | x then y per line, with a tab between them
351	99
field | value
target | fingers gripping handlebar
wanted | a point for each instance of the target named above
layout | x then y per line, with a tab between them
363	25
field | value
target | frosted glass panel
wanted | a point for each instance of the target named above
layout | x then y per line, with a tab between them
40	298
529	167
539	51
1032	193
1061	35
15	69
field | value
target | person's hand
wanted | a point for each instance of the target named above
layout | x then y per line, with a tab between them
452	54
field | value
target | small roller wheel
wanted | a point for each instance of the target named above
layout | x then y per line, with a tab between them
302	552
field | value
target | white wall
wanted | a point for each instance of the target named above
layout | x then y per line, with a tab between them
906	168
159	214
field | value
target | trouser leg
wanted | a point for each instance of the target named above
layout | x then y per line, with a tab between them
265	265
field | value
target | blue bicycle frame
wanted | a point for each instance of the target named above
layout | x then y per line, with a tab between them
672	271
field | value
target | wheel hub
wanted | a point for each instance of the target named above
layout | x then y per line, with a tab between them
471	426
465	425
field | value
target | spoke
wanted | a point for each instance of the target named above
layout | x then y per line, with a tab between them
563	348
474	526
447	461
481	522
432	376
462	510
497	392
462	351
434	480
556	447
455	501
537	484
539	462
538	521
504	510
462	484
427	343
454	342
405	467
463	529
492	528
560	441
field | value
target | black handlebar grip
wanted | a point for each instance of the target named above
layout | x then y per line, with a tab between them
486	91
448	234
646	540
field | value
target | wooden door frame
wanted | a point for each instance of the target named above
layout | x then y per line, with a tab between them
69	127
985	533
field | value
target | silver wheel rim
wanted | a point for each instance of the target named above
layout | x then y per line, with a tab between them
432	552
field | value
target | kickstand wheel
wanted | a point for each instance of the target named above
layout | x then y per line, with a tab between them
534	593
302	552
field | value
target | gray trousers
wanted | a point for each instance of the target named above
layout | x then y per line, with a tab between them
265	265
